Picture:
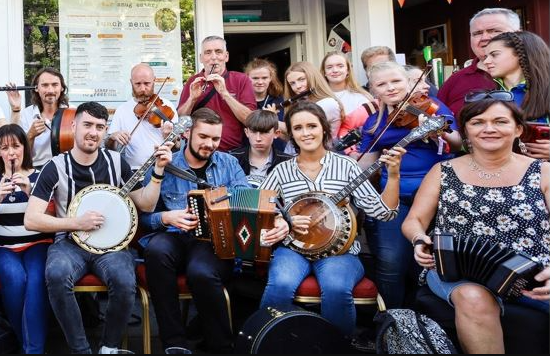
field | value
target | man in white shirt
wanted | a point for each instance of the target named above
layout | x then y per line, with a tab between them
138	141
49	95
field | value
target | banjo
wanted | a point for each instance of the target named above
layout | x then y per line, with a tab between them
333	225
121	216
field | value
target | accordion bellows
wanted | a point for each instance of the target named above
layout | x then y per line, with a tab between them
234	221
504	271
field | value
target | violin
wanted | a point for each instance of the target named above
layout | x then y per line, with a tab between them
296	97
417	104
155	111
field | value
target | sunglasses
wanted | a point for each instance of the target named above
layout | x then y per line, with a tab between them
501	95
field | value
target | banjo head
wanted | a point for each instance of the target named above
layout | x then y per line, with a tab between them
332	229
120	218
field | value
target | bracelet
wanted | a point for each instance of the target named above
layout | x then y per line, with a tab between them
157	176
18	110
415	237
156	180
419	242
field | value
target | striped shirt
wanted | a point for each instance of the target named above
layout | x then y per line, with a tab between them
13	234
336	173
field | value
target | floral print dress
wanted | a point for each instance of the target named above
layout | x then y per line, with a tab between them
514	216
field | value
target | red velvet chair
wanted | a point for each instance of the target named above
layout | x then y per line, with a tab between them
184	294
364	293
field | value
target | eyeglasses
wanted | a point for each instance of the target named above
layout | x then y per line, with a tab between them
501	95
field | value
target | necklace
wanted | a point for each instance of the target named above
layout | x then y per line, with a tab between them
482	174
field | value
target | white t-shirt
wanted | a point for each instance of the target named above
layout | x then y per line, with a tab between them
350	100
42	148
145	137
332	111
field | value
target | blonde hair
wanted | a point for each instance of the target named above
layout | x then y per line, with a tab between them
315	81
351	82
379	67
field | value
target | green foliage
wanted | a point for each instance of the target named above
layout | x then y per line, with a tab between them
187	23
40	51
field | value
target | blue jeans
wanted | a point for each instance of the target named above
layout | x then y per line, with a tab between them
67	263
394	258
24	295
337	276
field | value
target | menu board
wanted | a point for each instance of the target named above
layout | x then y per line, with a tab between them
101	40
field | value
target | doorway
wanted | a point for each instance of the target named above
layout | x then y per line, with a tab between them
282	49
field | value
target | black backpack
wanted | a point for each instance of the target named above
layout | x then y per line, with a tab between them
404	331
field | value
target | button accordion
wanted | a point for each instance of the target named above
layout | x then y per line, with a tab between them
502	270
234	221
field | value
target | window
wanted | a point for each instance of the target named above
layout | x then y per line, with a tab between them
255	11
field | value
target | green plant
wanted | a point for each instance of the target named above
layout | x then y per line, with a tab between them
187	23
40	33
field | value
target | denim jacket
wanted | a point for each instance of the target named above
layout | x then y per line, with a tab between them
223	170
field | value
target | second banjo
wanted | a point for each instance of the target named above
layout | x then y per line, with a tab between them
333	226
121	216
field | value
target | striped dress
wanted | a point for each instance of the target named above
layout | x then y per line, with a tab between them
13	234
336	173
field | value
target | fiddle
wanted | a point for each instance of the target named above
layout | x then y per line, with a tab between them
292	100
155	111
416	105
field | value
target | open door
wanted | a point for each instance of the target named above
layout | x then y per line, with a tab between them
282	51
291	43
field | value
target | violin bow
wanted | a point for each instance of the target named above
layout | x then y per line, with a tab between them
400	107
149	107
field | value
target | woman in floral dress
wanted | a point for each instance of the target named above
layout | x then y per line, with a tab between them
491	193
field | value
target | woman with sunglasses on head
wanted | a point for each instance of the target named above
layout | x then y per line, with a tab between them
316	168
518	61
389	83
22	252
491	193
358	103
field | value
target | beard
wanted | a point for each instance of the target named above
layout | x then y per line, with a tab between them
143	97
195	153
85	145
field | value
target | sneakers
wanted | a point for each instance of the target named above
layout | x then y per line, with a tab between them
104	350
110	350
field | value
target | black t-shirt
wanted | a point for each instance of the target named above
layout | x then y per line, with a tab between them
201	173
62	177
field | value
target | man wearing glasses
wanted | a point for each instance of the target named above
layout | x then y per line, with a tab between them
228	93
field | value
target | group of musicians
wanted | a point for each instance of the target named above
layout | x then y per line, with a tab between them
229	143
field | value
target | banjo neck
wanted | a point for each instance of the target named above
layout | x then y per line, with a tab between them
140	173
340	197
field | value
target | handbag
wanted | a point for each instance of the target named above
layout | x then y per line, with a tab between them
404	331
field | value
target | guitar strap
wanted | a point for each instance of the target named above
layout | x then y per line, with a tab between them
210	94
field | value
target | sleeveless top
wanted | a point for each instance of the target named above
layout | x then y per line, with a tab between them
513	216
